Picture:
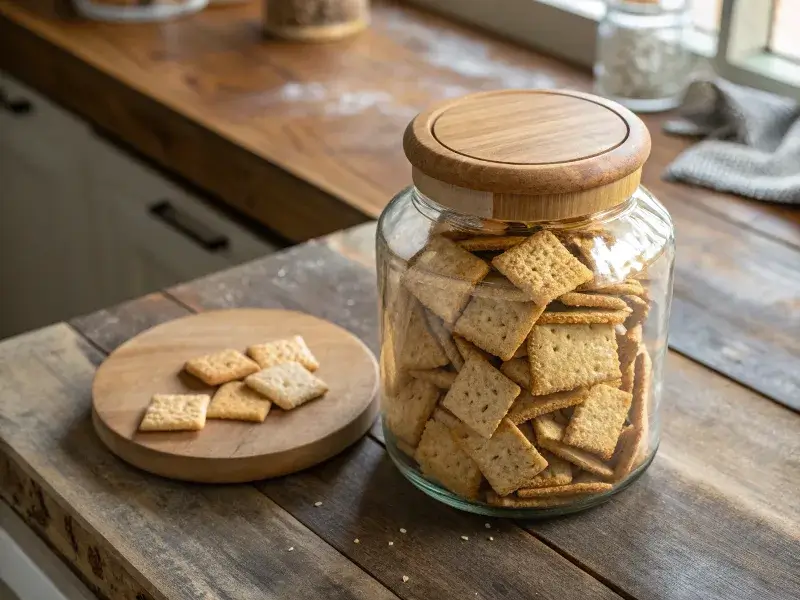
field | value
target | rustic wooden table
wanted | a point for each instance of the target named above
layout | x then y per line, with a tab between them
716	516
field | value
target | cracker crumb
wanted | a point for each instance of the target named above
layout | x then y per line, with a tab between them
465	537
356	541
405	578
317	503
402	530
291	548
491	539
487	525
391	543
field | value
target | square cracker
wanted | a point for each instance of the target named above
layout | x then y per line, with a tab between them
498	326
420	350
629	286
468	349
491	242
527	407
235	401
593	300
445	340
176	412
507	460
516	502
221	367
498	287
558	472
642	390
446	418
629	448
518	370
439	377
409	410
580	316
288	385
542	267
443	276
569	489
441	458
293	349
628	345
480	396
596	423
564	357
549	433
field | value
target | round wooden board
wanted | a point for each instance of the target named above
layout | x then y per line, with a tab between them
233	451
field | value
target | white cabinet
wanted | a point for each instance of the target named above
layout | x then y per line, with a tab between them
45	249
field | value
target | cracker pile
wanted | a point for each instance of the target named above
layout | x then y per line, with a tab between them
515	378
279	372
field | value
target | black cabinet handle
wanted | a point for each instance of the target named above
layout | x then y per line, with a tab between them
198	232
16	106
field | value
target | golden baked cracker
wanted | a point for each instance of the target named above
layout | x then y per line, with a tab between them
420	350
405	448
593	300
496	286
516	502
497	326
629	286
175	412
288	385
445	339
628	345
518	370
527	430
596	423
542	267
293	349
441	378
221	367
235	401
579	316
569	489
548	429
491	242
446	418
642	390
468	349
558	472
564	357
628	448
507	459
443	276
584	249
581	458
522	351
527	407
407	412
639	310
480	396
626	382
441	458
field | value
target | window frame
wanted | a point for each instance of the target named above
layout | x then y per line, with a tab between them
740	53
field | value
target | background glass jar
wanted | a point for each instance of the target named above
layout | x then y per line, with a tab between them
521	359
136	11
642	60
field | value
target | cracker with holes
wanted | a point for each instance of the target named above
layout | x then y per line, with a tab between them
558	472
518	370
441	458
443	277
288	385
221	367
420	350
480	396
596	422
409	410
441	378
527	407
237	402
542	267
497	326
175	412
550	432
580	316
293	349
445	340
507	459
564	357
593	301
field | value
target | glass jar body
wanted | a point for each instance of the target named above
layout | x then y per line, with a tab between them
480	384
642	60
130	11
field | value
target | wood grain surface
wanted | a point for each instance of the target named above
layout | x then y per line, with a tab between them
306	139
227	451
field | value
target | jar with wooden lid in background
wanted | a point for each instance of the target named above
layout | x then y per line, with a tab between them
525	284
315	20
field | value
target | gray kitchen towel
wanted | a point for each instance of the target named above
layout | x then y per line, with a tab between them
751	145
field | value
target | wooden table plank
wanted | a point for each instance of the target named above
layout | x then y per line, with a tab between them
721	491
130	535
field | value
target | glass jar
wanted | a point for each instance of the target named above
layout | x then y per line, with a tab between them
642	60
137	11
525	283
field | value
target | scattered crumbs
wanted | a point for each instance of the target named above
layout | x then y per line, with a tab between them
402	530
465	537
291	548
405	578
317	503
487	525
282	272
491	539
356	541
391	543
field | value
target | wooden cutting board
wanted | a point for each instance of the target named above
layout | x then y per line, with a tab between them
233	451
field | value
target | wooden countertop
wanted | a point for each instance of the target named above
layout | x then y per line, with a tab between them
715	516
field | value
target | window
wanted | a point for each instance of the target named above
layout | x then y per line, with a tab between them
752	42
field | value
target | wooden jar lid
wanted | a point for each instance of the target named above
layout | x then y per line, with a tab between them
527	154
